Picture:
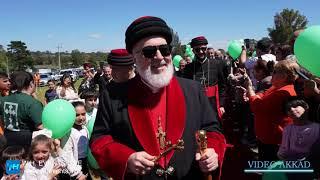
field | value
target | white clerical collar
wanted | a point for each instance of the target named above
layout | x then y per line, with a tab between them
202	62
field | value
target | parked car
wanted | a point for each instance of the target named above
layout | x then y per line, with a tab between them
44	78
71	72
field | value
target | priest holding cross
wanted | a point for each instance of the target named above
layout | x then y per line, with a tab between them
146	129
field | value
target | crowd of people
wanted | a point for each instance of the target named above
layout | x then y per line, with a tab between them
147	116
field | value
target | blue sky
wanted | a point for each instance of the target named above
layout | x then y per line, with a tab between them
99	25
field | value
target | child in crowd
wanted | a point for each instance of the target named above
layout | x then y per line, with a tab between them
90	98
13	153
299	137
48	160
42	163
51	93
76	142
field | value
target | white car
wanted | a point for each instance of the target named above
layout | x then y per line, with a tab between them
44	78
71	72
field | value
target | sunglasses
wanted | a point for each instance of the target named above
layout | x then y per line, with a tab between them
197	50
151	51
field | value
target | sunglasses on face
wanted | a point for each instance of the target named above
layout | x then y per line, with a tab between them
197	50
151	51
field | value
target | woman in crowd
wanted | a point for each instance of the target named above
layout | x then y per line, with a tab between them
269	116
66	89
20	111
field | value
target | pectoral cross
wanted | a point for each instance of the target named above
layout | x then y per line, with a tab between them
161	135
203	81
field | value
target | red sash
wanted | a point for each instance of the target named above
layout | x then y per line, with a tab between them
213	91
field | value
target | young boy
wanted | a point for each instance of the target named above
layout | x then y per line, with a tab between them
51	93
90	98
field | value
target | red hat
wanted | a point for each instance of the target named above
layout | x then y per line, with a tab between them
120	57
87	65
201	40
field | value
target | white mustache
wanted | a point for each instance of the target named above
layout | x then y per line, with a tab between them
160	64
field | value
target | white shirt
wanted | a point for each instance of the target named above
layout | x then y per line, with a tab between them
69	95
91	116
42	173
70	141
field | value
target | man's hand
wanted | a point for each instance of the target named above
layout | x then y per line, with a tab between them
140	163
208	161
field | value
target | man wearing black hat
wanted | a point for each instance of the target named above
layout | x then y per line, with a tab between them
122	65
156	112
208	72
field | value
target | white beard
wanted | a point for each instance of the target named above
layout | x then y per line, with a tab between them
156	81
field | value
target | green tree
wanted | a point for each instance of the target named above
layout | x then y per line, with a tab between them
65	61
19	57
285	23
76	58
176	44
3	59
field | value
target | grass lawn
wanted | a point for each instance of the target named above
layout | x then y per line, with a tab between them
41	90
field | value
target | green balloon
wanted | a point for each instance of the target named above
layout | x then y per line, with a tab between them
234	49
188	51
176	60
58	116
92	161
275	175
307	49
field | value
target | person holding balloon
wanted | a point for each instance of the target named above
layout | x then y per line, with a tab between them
20	111
67	124
76	142
263	52
269	118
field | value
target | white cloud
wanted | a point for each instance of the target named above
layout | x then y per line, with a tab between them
95	36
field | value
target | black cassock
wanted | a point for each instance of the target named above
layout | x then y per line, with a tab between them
210	73
123	127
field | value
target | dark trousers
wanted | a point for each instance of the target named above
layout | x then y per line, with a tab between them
268	152
247	124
